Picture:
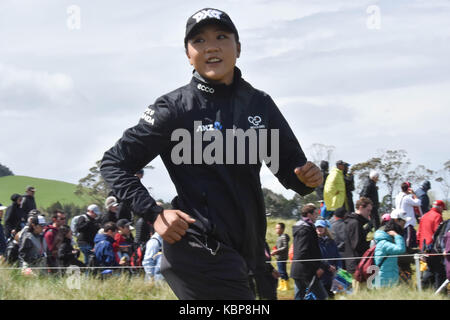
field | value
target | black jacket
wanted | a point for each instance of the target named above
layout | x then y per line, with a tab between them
306	246
108	216
28	203
14	216
66	256
87	228
225	199
355	241
370	190
421	193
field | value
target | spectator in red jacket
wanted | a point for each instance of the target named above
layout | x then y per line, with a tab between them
429	224
50	233
123	241
435	273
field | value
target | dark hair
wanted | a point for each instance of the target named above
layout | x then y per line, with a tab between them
363	202
309	208
340	212
405	186
196	31
282	225
110	226
61	235
55	213
391	225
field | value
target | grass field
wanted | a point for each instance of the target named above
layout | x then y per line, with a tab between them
47	191
15	286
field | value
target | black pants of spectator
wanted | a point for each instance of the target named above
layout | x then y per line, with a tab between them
194	272
317	288
435	275
375	219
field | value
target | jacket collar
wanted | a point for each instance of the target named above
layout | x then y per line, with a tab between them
210	89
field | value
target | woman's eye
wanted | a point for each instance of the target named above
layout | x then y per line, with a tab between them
198	40
221	36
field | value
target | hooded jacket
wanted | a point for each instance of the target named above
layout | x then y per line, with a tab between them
386	246
334	190
224	197
103	250
306	246
329	249
355	240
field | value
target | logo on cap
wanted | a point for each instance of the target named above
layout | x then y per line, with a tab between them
210	13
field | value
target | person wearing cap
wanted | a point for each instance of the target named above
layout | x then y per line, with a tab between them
28	200
370	190
422	194
123	240
389	242
15	217
103	249
334	193
329	249
111	214
32	246
428	225
306	246
87	227
2	232
216	232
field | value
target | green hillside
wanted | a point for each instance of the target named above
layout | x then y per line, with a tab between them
47	191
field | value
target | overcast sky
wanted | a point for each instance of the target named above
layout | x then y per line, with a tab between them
358	75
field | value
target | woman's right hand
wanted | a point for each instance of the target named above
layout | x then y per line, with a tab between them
171	225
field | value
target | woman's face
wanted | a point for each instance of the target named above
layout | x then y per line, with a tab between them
320	231
213	53
38	229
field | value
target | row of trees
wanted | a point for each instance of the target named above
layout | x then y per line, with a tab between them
5	171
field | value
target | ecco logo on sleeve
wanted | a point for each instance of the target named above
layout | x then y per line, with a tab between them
205	88
199	16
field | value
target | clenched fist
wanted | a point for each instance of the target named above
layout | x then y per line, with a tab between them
171	225
309	174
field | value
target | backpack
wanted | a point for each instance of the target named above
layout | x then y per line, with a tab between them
138	256
438	243
12	251
73	225
361	272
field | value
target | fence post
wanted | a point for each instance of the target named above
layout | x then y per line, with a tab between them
419	283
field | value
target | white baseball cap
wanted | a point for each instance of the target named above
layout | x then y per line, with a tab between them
400	214
94	207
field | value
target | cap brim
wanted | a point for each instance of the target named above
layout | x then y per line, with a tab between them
3	208
205	22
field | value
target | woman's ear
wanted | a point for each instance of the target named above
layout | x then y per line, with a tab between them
188	56
238	47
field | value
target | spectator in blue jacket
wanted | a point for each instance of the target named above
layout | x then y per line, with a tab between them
103	249
390	242
328	249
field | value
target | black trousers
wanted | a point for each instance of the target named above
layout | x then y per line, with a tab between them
195	272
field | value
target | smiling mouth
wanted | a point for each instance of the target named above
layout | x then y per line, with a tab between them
213	60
